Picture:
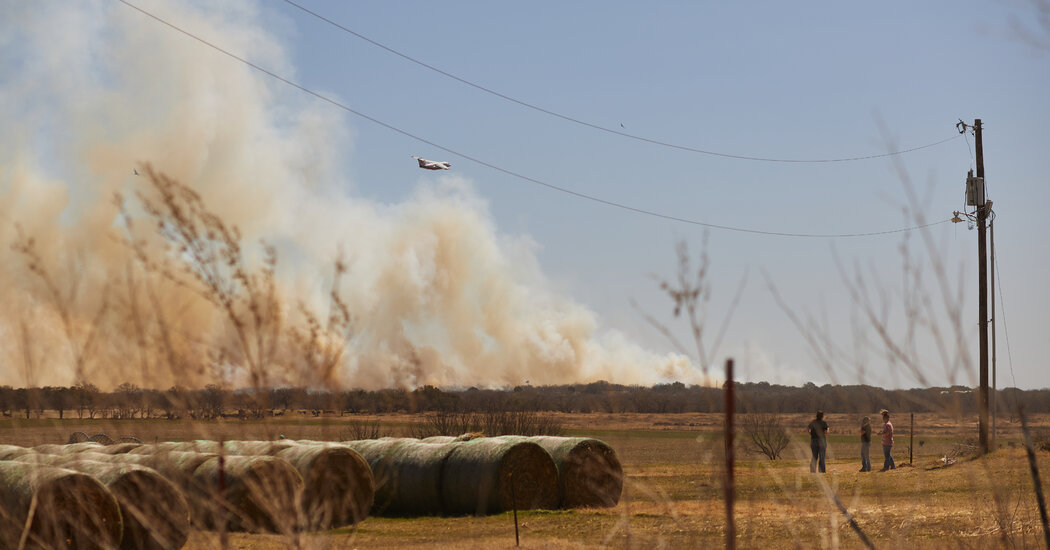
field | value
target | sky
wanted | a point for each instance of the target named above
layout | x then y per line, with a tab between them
561	232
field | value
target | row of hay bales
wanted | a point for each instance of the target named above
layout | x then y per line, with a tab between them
88	495
449	476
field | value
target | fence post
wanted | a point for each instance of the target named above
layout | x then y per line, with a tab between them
911	442
729	489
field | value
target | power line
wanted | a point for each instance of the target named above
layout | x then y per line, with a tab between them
596	126
510	172
1002	308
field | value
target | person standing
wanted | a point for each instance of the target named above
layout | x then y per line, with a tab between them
865	444
887	442
818	442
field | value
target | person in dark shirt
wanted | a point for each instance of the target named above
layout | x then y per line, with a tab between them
818	442
865	444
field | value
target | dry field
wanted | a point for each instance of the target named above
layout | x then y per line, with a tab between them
673	492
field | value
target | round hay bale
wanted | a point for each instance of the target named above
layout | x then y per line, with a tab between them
176	466
71	509
101	438
414	479
78	437
155	513
118	448
41	459
438	439
589	472
376	453
338	488
129	439
51	449
71	448
197	446
256	448
7	452
262	494
489	475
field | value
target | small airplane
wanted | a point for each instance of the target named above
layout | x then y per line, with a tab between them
432	165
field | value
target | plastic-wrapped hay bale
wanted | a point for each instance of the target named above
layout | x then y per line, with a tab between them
8	452
262	494
155	513
71	509
489	475
338	488
376	453
413	472
589	473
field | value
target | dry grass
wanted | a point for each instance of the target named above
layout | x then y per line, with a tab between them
673	494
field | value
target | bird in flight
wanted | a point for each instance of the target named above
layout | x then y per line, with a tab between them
432	165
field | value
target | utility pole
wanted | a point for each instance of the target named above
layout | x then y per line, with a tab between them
982	219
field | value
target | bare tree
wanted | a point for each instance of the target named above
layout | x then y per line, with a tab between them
765	434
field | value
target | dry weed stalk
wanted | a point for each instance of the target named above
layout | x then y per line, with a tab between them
204	255
81	337
691	295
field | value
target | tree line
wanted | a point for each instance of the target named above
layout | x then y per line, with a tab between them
128	401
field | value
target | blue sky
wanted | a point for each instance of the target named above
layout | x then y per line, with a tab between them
767	79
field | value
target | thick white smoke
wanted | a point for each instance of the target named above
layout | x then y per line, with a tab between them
91	90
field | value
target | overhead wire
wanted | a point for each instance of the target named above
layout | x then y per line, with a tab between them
597	126
1002	309
510	172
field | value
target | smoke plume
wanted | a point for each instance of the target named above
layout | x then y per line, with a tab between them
96	285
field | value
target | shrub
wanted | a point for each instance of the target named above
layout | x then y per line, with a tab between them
765	434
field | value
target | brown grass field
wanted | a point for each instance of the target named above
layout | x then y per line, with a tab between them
673	495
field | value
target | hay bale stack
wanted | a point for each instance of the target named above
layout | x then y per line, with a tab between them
589	472
262	493
72	509
7	452
155	513
478	477
338	488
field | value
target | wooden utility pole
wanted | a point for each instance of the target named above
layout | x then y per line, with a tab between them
982	218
